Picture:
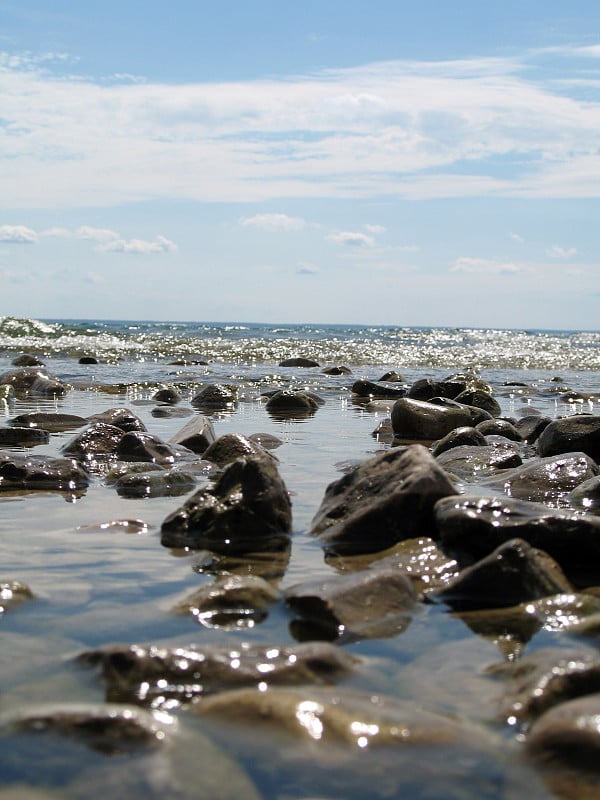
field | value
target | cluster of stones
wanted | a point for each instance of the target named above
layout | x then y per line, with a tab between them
494	519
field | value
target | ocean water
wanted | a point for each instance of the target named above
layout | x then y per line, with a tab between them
96	585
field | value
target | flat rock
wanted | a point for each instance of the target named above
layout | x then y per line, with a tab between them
196	435
155	483
23	437
388	498
49	421
45	473
236	600
473	462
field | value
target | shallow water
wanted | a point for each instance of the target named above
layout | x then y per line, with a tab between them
96	586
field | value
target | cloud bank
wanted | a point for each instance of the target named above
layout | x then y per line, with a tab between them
471	127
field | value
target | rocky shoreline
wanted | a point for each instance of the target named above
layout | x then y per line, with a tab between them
492	518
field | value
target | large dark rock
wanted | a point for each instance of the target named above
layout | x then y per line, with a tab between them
417	420
579	433
370	389
465	435
122	418
41	472
545	479
474	462
480	398
231	446
289	404
500	427
388	498
531	427
34	382
514	573
247	509
569	734
49	421
23	437
215	397
299	361
185	673
373	602
471	527
97	441
196	435
142	446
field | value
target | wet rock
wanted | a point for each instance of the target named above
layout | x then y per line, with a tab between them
369	389
171	411
392	377
371	603
299	362
499	427
233	600
469	462
13	593
337	370
131	526
465	435
545	479
215	396
41	472
34	382
231	446
479	398
27	360
142	446
168	394
106	728
161	483
266	440
512	628
569	735
288	403
247	509
384	432
270	565
514	573
98	441
421	560
388	498
546	677
196	435
472	527
426	421
531	426
88	360
122	418
23	437
49	421
579	433
341	716
586	495
133	673
426	388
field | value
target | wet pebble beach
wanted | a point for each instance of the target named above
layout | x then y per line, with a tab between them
292	563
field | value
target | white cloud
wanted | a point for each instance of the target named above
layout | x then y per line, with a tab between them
516	237
352	239
138	246
404	128
17	234
561	252
96	234
485	265
374	229
273	222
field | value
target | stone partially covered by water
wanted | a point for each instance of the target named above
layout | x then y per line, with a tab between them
248	508
388	498
418	420
44	473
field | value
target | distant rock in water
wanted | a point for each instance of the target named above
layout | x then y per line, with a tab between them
299	362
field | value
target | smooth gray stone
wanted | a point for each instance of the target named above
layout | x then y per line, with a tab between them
569	734
499	427
467	435
122	418
49	421
41	472
469	462
364	388
426	421
479	398
143	446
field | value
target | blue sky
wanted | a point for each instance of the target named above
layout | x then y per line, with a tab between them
382	162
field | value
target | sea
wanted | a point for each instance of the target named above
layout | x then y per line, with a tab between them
99	575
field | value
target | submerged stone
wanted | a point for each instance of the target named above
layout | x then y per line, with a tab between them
231	446
231	600
215	396
155	483
299	361
23	437
41	472
472	462
34	382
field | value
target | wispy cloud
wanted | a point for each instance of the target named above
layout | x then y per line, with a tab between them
274	222
352	239
138	246
486	266
492	126
561	252
17	234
